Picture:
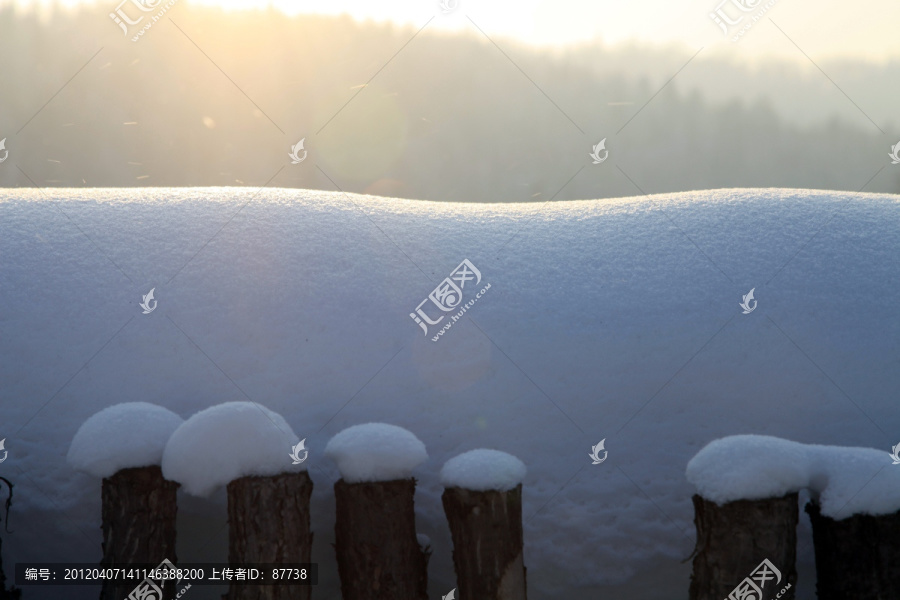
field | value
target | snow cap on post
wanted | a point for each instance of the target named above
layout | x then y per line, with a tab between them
482	470
846	481
843	480
375	452
749	467
122	436
226	442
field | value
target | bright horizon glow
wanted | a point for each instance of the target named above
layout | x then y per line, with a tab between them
870	34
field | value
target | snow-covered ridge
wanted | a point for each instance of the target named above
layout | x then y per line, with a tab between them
607	319
845	481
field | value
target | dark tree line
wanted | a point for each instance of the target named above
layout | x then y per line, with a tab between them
448	118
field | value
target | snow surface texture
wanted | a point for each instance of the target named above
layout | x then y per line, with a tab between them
122	436
226	442
846	481
612	319
482	470
376	452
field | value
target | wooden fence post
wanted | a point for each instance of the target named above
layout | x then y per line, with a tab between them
268	522
139	509
483	503
123	444
378	554
250	450
734	538
487	542
866	569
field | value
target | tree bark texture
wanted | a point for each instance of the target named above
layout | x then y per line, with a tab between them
734	538
139	509
268	522
857	557
487	542
378	555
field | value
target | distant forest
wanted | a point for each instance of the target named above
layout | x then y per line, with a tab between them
211	98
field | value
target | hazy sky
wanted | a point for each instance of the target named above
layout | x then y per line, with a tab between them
823	29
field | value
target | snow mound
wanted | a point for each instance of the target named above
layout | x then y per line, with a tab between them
303	295
122	436
227	442
749	467
481	470
375	452
844	481
848	481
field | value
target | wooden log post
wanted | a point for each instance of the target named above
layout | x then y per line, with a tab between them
733	539
138	522
250	450
857	557
123	445
378	554
268	522
486	527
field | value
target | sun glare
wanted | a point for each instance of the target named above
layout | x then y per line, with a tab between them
570	22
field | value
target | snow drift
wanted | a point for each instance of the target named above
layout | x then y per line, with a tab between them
611	319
